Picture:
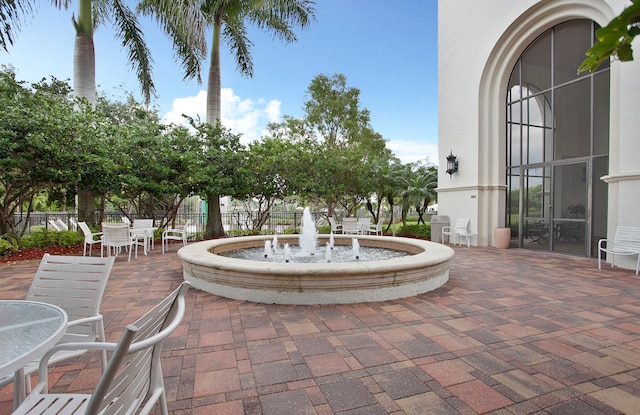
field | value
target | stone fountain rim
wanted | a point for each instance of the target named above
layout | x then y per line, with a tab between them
431	253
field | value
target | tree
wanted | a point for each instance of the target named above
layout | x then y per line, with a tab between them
350	150
614	39
228	18
274	169
420	183
44	143
217	169
179	19
387	177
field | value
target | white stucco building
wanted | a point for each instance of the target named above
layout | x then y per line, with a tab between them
552	154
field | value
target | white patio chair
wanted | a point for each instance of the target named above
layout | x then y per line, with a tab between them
376	229
142	233
335	227
364	224
175	234
350	226
626	242
133	378
76	284
458	231
116	236
89	238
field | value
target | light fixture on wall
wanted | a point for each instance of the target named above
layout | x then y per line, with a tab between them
452	164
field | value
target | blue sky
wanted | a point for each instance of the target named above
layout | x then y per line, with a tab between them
386	50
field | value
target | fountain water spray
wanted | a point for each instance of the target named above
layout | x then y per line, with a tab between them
267	249
308	237
331	240
328	252
356	248
274	244
287	252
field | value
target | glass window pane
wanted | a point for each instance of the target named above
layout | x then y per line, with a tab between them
536	64
601	113
572	112
514	79
570	42
514	145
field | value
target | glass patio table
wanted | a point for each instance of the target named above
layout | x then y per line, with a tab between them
27	330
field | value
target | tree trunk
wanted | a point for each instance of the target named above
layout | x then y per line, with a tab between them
214	228
84	85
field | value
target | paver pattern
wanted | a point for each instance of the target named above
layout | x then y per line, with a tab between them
512	332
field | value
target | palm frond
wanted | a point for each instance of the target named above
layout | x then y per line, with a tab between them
234	34
184	22
130	31
11	14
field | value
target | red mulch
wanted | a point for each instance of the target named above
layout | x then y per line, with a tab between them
37	253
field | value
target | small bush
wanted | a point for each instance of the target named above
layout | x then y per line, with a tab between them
45	238
416	231
9	243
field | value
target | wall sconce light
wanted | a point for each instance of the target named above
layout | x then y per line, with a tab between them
452	164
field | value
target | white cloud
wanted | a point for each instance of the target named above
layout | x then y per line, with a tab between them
250	118
242	116
412	151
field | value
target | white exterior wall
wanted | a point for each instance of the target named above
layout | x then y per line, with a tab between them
479	42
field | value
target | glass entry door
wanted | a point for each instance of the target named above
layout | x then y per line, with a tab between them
569	208
554	214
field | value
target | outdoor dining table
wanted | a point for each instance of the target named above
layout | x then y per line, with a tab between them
27	330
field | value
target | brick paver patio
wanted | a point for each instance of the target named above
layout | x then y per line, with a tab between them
512	332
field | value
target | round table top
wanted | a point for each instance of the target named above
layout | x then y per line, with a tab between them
27	330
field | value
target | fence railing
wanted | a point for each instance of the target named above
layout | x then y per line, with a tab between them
233	222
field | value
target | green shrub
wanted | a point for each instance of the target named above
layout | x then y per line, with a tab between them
9	243
416	231
45	238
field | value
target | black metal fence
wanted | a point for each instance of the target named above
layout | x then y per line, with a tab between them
234	223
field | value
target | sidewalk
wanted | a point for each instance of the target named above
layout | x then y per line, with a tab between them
512	332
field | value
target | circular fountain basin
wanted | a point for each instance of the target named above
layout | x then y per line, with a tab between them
425	269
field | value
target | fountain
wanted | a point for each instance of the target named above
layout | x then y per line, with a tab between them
355	245
309	234
424	267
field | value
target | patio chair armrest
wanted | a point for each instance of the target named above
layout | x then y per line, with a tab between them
607	245
97	317
446	229
43	368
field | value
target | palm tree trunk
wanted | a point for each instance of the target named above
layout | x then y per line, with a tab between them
214	83
84	68
214	226
84	85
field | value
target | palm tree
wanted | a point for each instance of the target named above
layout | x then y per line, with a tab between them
181	20
229	18
419	189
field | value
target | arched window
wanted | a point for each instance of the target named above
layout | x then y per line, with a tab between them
557	142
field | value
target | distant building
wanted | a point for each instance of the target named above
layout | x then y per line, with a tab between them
549	153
